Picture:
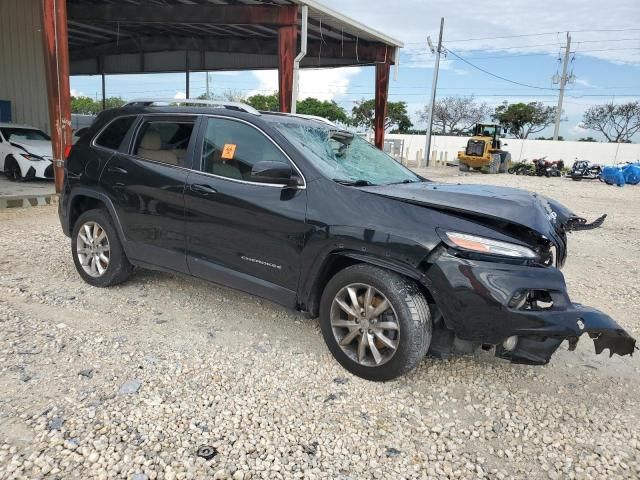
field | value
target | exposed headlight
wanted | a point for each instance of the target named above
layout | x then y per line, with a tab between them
33	158
487	246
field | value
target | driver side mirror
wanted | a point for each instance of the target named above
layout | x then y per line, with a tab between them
275	172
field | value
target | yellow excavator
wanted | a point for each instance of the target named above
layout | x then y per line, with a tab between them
484	151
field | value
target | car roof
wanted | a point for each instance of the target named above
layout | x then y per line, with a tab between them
16	125
271	117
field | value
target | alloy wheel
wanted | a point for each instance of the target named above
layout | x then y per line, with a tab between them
365	325
93	249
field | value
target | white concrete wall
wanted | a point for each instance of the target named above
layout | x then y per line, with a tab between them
603	153
22	76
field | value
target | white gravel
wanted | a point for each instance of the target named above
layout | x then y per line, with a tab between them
129	382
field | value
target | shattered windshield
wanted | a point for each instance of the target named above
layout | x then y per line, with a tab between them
346	158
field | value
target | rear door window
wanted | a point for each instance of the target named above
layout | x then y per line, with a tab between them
165	140
113	136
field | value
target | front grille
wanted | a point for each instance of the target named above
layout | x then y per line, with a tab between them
48	173
475	148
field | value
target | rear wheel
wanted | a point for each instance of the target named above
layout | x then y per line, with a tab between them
463	167
12	169
97	252
376	323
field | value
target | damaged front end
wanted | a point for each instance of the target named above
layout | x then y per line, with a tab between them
525	311
506	291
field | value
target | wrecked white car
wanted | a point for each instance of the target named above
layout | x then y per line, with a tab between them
25	152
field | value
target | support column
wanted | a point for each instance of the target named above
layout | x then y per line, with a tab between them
383	71
104	86
287	43
56	60
187	79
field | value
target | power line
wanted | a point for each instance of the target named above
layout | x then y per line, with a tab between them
459	40
498	76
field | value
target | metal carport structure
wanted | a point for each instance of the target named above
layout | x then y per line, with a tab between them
100	37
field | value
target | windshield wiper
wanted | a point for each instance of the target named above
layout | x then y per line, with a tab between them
403	182
353	183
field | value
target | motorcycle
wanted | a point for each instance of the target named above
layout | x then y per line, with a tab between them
546	168
583	169
521	168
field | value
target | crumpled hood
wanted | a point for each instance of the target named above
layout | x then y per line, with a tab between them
42	148
516	206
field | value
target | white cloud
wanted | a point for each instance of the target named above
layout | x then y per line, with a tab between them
413	20
322	84
180	95
585	83
578	131
76	93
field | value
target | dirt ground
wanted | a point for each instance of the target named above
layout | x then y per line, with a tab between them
128	382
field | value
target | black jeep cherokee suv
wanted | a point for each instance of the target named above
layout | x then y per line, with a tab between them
300	212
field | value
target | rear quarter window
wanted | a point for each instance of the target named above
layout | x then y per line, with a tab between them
113	136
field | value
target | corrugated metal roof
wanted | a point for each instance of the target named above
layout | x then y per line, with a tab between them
338	21
335	39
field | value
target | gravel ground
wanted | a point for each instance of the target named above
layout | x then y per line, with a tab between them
129	382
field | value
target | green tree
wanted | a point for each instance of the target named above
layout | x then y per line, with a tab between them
89	106
363	115
325	109
454	115
560	138
524	119
618	122
265	103
84	106
226	96
112	102
587	139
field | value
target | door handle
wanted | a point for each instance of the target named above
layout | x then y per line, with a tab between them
117	170
203	189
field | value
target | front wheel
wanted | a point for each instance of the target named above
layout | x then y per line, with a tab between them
12	169
376	323
97	252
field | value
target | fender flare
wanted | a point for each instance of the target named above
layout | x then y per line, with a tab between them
104	198
312	297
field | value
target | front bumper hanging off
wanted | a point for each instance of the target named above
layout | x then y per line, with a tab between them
476	299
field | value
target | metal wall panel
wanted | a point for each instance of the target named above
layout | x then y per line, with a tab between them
22	76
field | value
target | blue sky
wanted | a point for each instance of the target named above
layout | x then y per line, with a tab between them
606	42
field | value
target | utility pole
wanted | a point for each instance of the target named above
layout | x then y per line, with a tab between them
563	82
208	97
434	86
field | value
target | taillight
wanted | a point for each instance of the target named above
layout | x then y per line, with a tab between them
67	151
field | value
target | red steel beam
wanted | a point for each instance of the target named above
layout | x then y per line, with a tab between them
56	60
210	14
383	71
287	43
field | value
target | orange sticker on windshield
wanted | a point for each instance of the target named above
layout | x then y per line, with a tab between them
229	151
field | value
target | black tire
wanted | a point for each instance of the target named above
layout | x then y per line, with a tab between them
412	313
12	169
463	167
494	167
505	162
119	269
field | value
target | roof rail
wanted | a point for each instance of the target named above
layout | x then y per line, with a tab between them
148	102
